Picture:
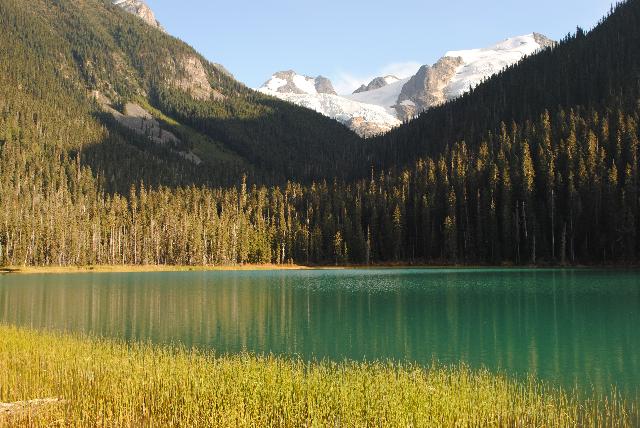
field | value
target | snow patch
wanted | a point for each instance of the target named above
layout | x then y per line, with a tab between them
385	97
305	84
480	64
275	83
390	79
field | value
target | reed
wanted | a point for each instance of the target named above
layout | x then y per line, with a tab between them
107	383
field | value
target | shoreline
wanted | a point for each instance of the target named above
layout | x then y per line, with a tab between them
29	270
26	270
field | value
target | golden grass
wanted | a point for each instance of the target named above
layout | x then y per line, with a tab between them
177	268
141	268
107	383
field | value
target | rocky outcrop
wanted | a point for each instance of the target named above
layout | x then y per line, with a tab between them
140	121
367	129
362	88
543	41
427	88
324	86
223	70
141	10
377	83
193	76
189	75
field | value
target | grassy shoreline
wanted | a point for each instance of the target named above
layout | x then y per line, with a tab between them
27	270
95	382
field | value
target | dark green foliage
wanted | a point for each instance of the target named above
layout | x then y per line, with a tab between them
61	51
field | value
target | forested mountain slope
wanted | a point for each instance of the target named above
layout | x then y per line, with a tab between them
598	70
57	57
540	161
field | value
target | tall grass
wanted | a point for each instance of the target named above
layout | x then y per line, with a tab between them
112	384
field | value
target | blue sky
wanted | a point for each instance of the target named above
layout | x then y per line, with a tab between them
351	41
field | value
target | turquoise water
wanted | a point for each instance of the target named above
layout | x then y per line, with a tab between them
573	328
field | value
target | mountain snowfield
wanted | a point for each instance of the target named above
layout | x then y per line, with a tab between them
480	64
386	101
365	118
385	96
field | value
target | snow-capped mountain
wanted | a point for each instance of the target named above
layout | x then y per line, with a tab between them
317	93
140	9
385	96
377	83
479	64
386	101
290	82
458	71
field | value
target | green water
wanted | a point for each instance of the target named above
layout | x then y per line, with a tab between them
573	328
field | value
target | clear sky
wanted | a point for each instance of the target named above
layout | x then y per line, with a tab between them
351	41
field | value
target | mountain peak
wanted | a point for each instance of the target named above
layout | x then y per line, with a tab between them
543	41
318	94
387	100
480	64
324	86
377	83
140	9
290	82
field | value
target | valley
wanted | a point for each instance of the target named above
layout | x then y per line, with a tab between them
453	245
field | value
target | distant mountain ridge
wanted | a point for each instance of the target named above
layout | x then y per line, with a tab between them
386	101
377	83
317	93
289	82
403	99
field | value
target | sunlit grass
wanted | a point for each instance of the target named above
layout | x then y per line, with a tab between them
108	384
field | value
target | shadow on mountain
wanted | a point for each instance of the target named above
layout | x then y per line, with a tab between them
125	158
283	144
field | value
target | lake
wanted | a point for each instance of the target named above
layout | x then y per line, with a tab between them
570	327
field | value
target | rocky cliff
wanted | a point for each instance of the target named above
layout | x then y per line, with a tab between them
140	9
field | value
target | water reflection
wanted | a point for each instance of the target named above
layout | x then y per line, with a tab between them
573	327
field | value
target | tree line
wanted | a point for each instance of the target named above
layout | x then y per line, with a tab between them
562	189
